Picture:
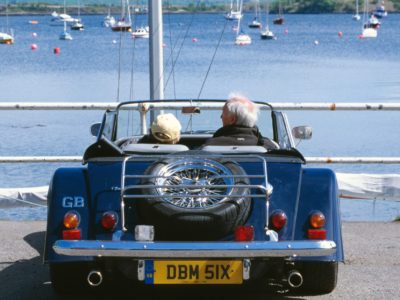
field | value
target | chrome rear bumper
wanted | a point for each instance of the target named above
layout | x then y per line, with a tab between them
194	249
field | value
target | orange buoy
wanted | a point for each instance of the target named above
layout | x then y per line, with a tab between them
33	47
340	34
56	50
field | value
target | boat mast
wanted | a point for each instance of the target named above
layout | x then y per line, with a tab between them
156	50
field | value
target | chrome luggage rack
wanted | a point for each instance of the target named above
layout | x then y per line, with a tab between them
191	192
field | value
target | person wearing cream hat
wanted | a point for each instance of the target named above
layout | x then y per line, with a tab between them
166	129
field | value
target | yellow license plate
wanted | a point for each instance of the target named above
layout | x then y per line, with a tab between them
194	272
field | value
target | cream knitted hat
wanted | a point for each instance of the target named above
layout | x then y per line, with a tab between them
166	128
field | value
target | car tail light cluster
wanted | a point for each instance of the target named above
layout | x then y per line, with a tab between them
317	222
278	219
71	222
244	233
109	220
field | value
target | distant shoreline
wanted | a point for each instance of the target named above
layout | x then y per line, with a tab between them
48	13
46	9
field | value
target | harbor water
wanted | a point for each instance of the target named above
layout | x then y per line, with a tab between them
315	58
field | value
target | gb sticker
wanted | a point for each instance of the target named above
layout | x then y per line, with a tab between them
71	202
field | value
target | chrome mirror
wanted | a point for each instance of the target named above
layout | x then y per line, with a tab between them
302	132
95	128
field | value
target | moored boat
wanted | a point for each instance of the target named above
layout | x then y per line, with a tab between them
125	22
235	12
6	38
141	32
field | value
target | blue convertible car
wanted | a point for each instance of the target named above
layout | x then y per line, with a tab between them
183	214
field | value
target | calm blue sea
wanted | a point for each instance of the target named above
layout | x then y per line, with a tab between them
308	62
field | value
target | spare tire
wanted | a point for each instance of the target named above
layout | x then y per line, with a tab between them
213	205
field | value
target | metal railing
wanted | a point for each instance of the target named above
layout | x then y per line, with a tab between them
309	106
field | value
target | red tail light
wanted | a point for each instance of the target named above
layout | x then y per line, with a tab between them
317	220
109	220
71	234
278	219
71	220
244	233
316	234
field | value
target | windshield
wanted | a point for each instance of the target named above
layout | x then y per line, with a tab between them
205	120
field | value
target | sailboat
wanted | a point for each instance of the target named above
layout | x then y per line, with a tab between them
77	24
235	12
7	37
368	30
60	19
356	16
256	21
267	34
241	37
124	23
380	11
109	19
279	20
65	35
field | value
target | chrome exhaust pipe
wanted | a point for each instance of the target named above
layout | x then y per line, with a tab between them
295	279
94	278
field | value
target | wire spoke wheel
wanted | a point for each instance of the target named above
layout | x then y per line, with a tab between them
194	183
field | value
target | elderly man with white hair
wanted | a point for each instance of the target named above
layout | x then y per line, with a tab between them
239	117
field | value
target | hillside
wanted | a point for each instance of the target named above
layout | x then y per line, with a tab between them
102	6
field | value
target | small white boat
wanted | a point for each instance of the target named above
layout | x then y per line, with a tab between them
373	22
256	21
356	16
78	25
255	24
141	32
59	19
66	36
242	39
380	11
236	12
233	15
267	34
125	22
369	33
6	38
108	21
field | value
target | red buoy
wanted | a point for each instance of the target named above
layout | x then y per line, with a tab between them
340	34
56	50
33	46
194	40
286	31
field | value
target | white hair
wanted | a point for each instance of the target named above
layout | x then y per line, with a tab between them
245	110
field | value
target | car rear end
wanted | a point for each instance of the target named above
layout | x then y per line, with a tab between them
281	220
